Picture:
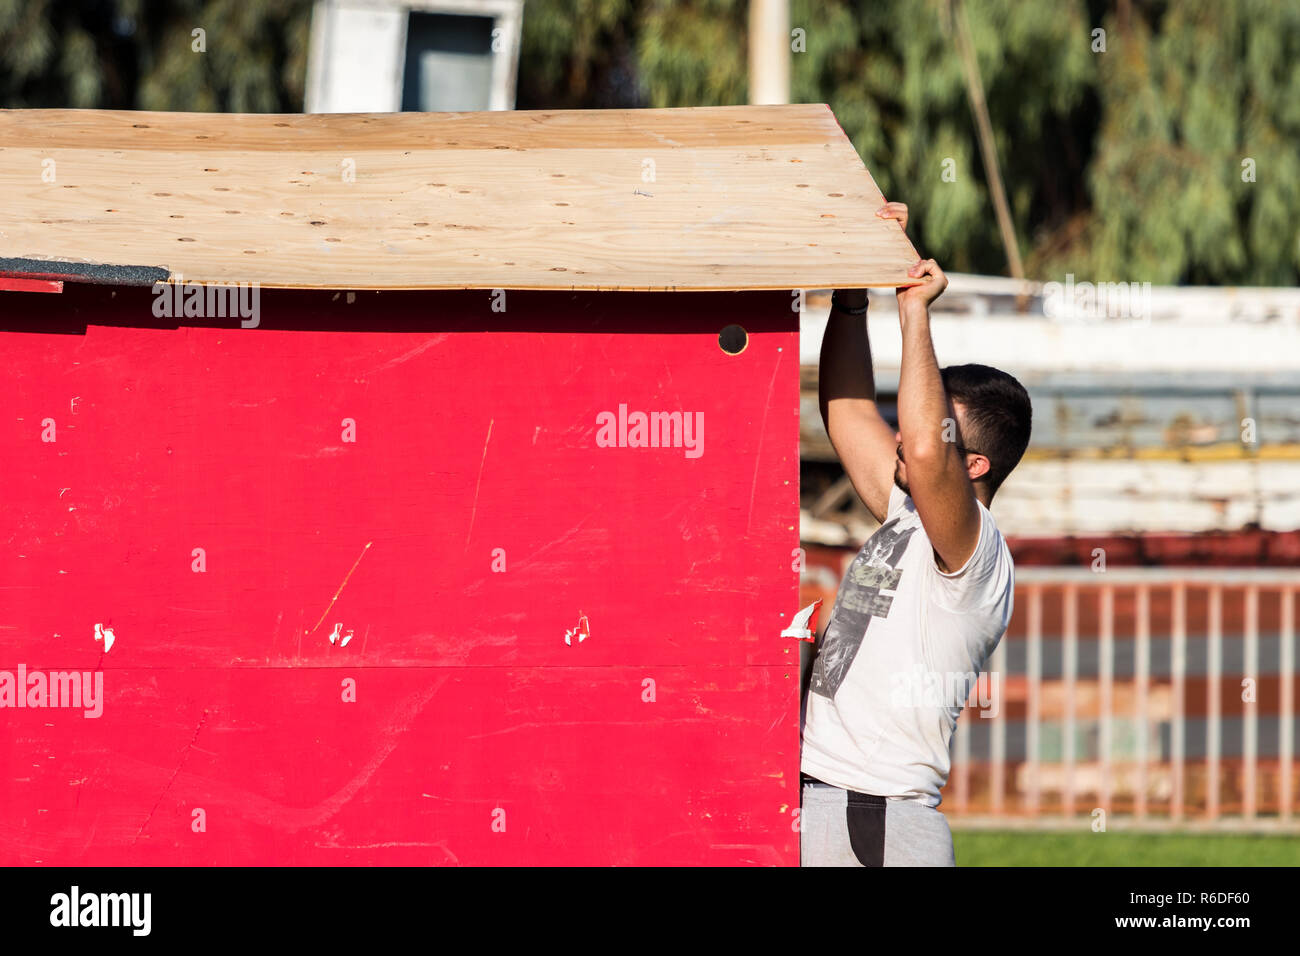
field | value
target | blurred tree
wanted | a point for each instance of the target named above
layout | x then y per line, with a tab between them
1196	175
140	54
632	53
577	54
890	71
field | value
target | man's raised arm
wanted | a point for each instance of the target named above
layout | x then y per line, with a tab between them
939	469
860	435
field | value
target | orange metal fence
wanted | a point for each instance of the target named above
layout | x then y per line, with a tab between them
1140	692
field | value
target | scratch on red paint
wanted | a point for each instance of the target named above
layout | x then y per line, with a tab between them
579	723
180	761
343	585
275	635
479	483
292	819
758	452
94	825
783	715
403	717
411	354
441	845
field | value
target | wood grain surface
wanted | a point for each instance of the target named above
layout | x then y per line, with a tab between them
708	198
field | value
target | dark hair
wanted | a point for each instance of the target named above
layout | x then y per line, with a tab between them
998	416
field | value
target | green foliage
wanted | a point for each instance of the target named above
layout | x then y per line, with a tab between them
139	54
576	54
891	72
695	52
1184	106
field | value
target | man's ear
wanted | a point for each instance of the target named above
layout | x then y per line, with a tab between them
977	467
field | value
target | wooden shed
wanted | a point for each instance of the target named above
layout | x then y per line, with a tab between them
410	488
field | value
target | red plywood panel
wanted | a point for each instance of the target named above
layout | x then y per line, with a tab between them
475	442
17	284
571	761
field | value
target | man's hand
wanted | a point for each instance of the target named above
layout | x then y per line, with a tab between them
933	282
894	210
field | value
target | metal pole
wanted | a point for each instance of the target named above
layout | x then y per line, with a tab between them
1214	708
1106	665
998	744
1178	673
769	52
1143	654
1286	675
1033	705
1070	652
1250	709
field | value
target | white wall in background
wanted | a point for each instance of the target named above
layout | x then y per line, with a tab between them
357	58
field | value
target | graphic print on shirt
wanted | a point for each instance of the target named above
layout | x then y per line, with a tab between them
874	570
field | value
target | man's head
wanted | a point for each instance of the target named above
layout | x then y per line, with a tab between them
993	417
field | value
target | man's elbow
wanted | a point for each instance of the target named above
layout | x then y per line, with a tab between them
925	454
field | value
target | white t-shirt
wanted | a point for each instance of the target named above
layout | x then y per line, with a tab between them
902	649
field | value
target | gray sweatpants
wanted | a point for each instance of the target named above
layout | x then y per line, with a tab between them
835	831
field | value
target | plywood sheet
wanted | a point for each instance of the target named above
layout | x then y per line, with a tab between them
725	198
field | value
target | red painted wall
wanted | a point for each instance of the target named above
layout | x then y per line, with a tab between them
475	431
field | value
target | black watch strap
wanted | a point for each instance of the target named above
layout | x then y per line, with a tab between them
847	309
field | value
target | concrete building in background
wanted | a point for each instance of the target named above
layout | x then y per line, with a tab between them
1156	410
385	56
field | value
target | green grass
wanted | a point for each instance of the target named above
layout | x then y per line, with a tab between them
1030	848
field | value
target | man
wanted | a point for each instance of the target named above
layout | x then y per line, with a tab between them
926	600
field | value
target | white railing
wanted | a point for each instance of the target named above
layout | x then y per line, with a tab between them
1153	777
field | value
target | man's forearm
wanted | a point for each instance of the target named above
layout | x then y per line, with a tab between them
922	401
845	370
